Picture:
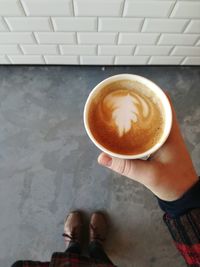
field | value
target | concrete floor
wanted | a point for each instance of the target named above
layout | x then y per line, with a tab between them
48	164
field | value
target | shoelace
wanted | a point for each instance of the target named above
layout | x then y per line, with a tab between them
73	235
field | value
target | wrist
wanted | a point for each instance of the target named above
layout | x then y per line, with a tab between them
172	187
189	200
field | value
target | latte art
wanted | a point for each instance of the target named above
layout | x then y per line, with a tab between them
125	120
127	108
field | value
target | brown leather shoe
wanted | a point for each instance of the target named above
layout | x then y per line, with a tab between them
73	227
98	227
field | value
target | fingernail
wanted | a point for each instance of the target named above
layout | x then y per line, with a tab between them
105	160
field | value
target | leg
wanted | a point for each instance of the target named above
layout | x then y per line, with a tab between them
74	247
73	232
98	231
97	253
17	264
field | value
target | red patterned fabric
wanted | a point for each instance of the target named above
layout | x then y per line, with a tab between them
191	254
60	259
185	231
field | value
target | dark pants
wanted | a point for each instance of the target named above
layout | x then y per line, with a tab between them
96	251
18	264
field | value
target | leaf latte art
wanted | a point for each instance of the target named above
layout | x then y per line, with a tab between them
125	121
127	108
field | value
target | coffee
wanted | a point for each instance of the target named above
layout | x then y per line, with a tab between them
126	118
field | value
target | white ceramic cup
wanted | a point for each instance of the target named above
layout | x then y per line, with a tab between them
150	86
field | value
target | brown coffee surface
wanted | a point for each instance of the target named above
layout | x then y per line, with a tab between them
126	120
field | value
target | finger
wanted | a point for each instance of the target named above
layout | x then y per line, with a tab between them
134	169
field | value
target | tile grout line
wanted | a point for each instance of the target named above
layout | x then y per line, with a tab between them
182	61
8	58
198	40
59	50
117	38
22	7
44	59
6	24
20	48
142	25
148	60
115	59
158	39
133	52
76	38
186	25
172	50
123	6
73	8
51	24
35	37
79	59
97	24
172	8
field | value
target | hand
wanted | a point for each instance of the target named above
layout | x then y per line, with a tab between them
169	173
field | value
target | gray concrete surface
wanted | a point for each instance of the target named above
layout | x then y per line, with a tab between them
48	164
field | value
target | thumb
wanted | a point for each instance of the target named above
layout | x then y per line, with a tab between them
137	170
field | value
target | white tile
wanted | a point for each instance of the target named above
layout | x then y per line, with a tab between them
165	60
198	43
78	49
96	60
97	38
186	51
4	60
178	39
147	8
10	49
10	8
16	37
149	50
131	60
26	59
193	27
48	7
120	24
191	61
186	9
62	60
164	25
39	49
28	24
75	24
3	26
115	50
138	38
98	7
55	37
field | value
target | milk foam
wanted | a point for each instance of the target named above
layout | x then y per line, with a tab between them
127	108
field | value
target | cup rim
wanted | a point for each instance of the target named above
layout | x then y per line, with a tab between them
154	87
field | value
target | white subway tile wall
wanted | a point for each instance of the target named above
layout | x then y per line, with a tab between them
100	32
3	26
88	50
64	60
4	60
